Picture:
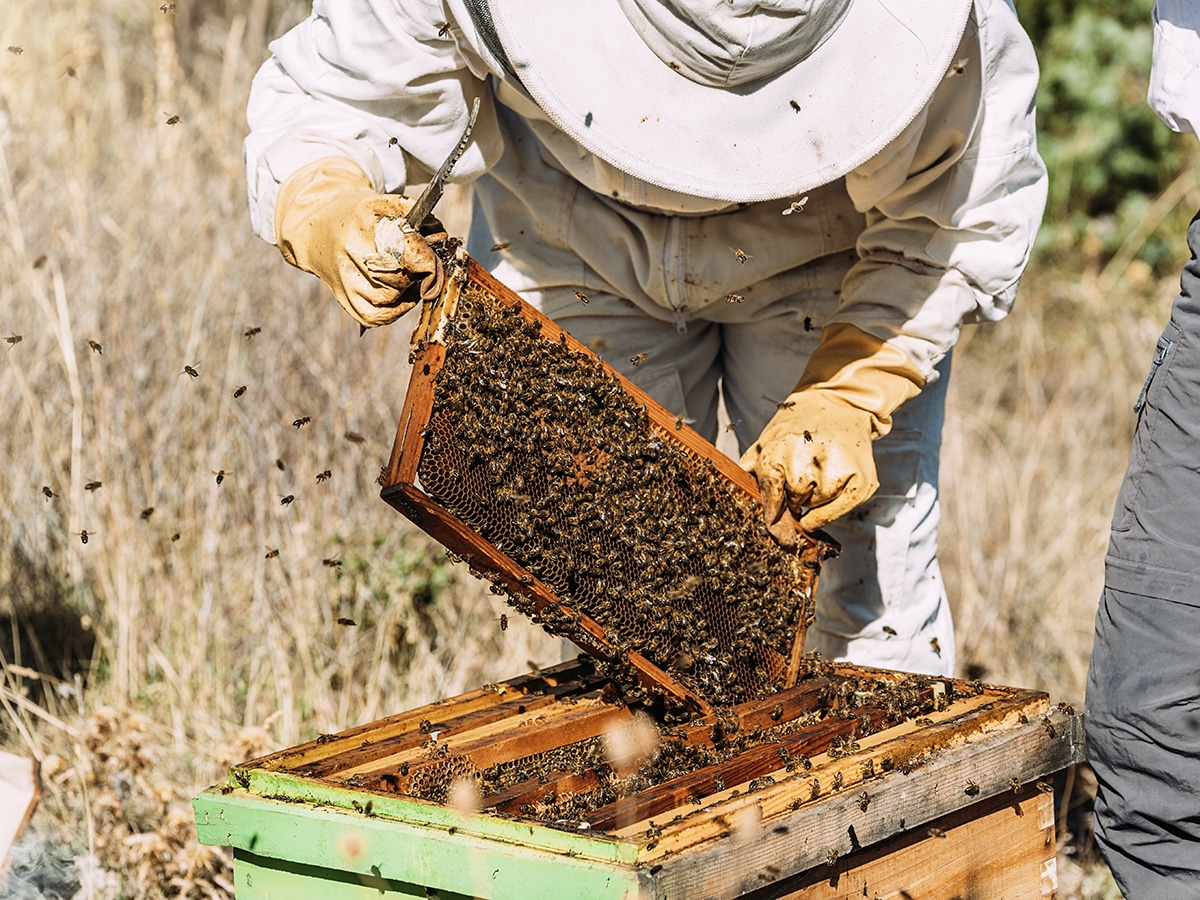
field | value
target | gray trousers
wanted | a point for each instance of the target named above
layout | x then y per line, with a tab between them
1143	691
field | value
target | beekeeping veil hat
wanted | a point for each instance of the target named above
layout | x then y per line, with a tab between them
738	100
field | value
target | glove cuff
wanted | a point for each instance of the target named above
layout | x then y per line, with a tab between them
862	371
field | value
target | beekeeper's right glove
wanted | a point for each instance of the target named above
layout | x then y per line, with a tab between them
325	219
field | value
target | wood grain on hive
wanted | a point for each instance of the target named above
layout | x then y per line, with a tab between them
941	803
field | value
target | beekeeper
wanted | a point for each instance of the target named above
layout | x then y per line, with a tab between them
794	204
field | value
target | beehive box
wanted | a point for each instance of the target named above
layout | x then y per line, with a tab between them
853	783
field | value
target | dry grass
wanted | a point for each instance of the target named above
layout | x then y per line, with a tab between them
131	232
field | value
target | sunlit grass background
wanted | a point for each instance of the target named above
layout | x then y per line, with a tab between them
199	646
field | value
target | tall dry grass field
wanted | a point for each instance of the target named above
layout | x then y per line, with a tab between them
128	257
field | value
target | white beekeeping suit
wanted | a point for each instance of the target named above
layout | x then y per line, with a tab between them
751	195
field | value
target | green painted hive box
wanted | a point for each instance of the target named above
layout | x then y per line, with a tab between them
853	783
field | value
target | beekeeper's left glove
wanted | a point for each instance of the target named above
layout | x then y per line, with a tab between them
813	460
325	219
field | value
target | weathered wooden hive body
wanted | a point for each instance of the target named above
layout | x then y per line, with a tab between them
693	752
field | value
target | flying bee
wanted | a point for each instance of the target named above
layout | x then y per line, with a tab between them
795	206
794	105
354	437
93	485
13	339
96	348
740	255
332	563
16	49
220	473
732	426
582	297
146	513
324	476
935	646
680	421
503	622
279	465
271	553
191	370
501	245
238	391
83	535
444	29
959	67
971	789
251	332
175	537
888	629
785	404
348	622
301	422
49	494
167	7
638	359
39	261
172	119
70	72
287	499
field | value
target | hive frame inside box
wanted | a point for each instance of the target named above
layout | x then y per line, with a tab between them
946	801
403	491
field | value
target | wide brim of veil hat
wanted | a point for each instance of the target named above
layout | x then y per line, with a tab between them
605	73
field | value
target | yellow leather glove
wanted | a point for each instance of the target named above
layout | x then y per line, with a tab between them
813	460
325	219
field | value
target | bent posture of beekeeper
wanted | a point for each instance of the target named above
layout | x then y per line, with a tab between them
795	204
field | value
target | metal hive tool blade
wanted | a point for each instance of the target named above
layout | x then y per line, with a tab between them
600	514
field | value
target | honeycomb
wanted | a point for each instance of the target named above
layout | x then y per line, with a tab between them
538	447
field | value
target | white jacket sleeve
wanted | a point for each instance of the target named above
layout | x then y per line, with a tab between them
385	84
1174	93
954	203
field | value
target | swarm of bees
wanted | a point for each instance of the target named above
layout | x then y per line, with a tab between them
606	516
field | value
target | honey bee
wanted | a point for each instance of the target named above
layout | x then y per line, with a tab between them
191	370
70	72
794	105
831	857
251	332
935	646
83	535
146	513
332	563
13	339
96	348
39	261
503	622
1049	726
959	67
889	630
795	206
680	421
49	494
287	499
971	789
936	833
808	323
1044	787
500	245
93	485
740	255
732	426
444	29
785	404
638	359
324	476
16	49
301	422
238	391
175	537
271	553
220	473
1015	784
392	142
279	465
349	623
864	800
1066	709
172	119
354	437
167	7
734	298
582	297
